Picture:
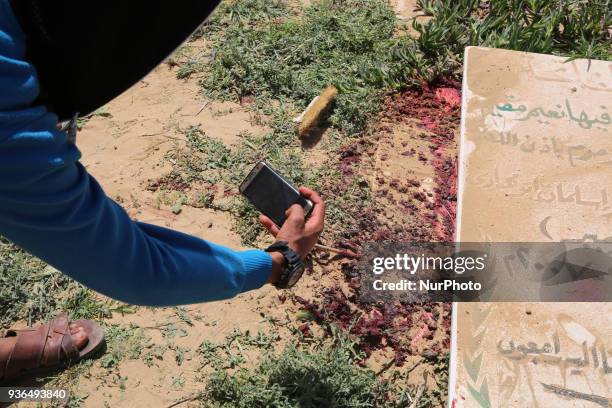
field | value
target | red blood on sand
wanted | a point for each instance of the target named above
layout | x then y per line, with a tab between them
451	96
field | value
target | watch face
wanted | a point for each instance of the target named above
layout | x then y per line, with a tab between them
295	276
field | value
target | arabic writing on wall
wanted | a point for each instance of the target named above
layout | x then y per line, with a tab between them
600	120
592	362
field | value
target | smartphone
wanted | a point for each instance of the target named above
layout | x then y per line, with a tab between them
271	194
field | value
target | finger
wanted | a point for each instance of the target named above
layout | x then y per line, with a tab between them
269	225
311	195
317	217
295	214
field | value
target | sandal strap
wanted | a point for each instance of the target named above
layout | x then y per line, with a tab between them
42	347
27	351
6	358
71	352
59	340
70	349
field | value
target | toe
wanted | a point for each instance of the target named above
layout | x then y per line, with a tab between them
79	337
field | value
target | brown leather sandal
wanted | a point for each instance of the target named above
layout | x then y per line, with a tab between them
47	348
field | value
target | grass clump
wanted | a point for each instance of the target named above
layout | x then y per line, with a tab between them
278	52
123	342
246	13
283	55
230	353
27	286
323	376
574	28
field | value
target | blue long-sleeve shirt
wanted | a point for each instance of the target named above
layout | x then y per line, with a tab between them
51	206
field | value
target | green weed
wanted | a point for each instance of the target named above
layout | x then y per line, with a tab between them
179	353
326	375
575	28
178	382
183	315
230	353
357	46
123	342
153	354
284	55
244	13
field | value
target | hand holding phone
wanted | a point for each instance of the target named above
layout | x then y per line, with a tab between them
267	190
285	208
301	234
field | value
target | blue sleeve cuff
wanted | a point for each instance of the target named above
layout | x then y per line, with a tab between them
257	268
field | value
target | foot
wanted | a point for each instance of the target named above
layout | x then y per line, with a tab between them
78	334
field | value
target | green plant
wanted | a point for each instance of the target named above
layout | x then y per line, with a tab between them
179	353
83	303
574	28
324	375
230	353
284	55
154	352
123	342
356	45
243	13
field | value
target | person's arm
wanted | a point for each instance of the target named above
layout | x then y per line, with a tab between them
51	206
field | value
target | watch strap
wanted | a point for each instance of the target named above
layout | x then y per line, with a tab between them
294	263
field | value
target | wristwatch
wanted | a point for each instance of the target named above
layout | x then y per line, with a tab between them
294	269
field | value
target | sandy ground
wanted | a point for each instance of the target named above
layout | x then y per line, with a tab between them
406	9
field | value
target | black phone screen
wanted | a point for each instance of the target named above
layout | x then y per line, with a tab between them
272	195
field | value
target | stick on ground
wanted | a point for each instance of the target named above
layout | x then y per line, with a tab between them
344	252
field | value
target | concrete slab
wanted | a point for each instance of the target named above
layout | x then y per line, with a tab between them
535	166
